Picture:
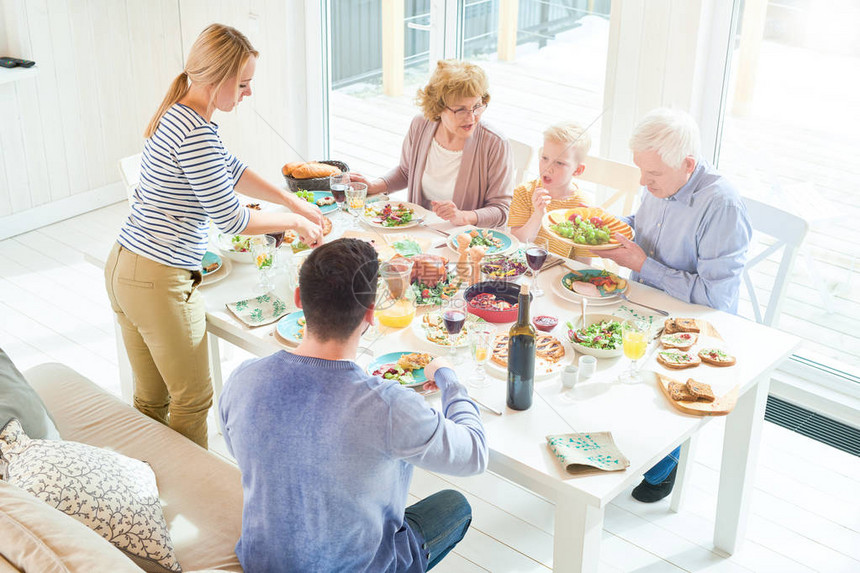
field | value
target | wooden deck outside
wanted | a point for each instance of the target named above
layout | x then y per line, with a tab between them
817	165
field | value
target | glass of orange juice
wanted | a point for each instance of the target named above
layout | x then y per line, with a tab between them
395	306
634	341
481	346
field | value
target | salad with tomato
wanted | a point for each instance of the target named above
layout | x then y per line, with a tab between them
603	335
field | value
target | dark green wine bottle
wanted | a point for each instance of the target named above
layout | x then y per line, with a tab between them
521	357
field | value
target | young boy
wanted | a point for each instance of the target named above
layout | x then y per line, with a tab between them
565	145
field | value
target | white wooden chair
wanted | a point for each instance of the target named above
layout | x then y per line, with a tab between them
523	154
788	232
619	179
129	169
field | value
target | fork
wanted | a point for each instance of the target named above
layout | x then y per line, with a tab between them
657	310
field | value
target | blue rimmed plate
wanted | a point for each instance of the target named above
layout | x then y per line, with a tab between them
504	243
292	327
211	263
324	208
418	377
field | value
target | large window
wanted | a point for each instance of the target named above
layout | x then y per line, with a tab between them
546	62
791	138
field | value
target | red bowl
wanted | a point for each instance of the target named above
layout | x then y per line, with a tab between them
545	322
503	290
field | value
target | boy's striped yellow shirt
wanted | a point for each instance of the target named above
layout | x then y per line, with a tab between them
522	208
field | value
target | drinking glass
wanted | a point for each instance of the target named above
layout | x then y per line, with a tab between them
536	253
634	341
356	194
396	308
454	317
339	184
481	346
263	251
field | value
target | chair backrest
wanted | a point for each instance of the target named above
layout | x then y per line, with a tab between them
788	232
129	168
621	179
523	154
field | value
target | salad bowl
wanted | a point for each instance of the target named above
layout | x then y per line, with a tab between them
591	339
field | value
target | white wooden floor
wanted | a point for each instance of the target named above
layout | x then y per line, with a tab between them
805	511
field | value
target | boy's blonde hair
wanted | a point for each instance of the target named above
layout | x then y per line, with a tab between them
218	54
572	134
452	80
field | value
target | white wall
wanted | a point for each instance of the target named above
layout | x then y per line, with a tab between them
104	67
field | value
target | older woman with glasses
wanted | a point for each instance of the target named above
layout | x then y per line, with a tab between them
452	162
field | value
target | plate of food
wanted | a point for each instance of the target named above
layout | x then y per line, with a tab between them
211	263
600	287
214	268
502	268
497	242
589	228
405	367
550	356
322	199
393	215
431	328
436	295
291	328
600	336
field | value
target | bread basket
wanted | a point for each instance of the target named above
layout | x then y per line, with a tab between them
315	183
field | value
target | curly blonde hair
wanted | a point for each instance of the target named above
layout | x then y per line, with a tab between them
452	80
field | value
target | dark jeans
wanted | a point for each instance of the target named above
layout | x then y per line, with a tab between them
663	468
440	521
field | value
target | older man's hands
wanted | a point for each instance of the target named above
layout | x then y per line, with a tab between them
629	254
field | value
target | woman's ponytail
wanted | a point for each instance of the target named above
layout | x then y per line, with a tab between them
178	88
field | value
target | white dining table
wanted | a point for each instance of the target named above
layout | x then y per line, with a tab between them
645	427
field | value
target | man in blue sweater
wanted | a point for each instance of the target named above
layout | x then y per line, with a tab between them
326	451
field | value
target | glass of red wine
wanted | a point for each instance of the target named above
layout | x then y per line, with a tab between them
454	317
339	184
536	253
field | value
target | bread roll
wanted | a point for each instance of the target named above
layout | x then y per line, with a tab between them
313	169
288	169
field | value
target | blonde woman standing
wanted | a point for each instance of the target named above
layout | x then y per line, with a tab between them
188	177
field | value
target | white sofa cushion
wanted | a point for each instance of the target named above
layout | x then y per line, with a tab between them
35	537
110	493
201	493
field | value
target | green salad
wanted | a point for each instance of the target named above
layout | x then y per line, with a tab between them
604	335
583	231
241	243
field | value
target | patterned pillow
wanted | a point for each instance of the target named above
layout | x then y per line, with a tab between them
112	494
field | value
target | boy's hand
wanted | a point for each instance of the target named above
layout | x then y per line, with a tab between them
541	199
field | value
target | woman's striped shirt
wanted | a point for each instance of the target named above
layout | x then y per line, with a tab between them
186	179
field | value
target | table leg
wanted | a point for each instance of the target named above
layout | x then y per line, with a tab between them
126	375
685	464
576	541
740	453
215	369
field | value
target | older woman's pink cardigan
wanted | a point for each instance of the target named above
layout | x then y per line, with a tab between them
485	182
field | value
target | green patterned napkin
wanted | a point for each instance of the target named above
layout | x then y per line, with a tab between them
260	310
583	454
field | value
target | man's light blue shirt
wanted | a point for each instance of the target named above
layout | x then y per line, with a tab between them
696	240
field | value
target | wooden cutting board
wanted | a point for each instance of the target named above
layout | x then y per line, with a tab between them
719	407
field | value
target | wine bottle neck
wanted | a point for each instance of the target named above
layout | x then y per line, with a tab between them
523	311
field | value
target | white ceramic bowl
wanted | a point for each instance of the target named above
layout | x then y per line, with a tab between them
596	352
225	246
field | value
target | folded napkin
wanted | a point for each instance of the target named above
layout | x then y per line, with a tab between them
628	313
583	454
260	310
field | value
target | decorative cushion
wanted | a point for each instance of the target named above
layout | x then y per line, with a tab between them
36	537
112	494
19	400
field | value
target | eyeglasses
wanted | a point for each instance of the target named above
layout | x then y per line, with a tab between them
464	113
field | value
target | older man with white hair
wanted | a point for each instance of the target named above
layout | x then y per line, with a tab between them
692	235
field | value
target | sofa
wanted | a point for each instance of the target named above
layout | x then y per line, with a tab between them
200	493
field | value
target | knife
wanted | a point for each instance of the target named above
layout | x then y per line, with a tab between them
482	405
